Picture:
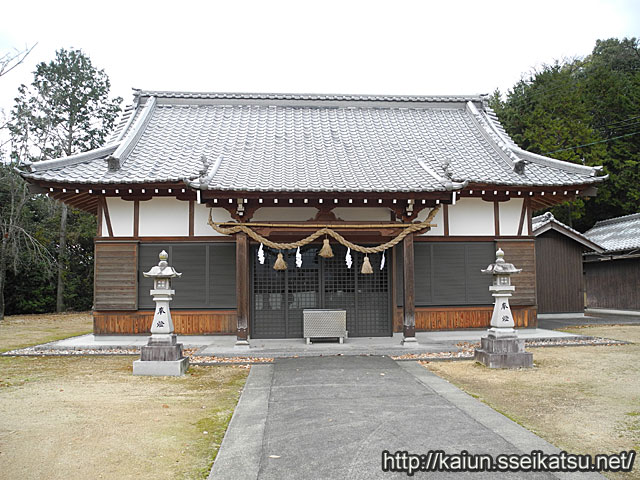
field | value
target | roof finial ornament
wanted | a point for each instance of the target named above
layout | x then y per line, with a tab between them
205	165
445	167
518	166
113	163
202	173
484	97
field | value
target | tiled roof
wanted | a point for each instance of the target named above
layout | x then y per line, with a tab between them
617	234
295	142
547	221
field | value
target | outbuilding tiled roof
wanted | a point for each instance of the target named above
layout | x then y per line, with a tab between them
617	234
293	142
544	223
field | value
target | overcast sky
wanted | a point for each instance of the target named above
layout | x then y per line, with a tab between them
391	47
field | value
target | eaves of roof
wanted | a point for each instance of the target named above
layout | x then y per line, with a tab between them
73	159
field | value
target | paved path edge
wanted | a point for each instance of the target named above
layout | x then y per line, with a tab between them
241	449
512	432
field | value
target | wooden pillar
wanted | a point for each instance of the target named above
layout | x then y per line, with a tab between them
409	324
242	288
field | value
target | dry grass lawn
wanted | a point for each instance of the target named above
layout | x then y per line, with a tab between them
18	331
581	399
89	417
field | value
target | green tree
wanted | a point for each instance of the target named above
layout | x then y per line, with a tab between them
578	111
66	110
612	78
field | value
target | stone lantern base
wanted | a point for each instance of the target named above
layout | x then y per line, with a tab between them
162	356
503	352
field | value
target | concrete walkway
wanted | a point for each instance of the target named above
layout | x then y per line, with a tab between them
224	345
331	418
564	320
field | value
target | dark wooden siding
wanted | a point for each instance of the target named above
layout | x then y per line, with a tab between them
115	276
613	284
222	275
522	254
559	274
208	274
448	273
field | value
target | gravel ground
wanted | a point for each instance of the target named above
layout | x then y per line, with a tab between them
465	351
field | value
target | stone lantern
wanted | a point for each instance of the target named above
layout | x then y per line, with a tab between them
162	355
501	348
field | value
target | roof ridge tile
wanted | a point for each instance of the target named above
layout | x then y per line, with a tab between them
622	219
307	96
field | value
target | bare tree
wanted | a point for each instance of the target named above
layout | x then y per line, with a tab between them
11	60
18	246
8	62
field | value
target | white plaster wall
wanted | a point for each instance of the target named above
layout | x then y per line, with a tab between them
362	214
201	218
438	220
105	229
121	215
471	216
510	216
164	217
283	214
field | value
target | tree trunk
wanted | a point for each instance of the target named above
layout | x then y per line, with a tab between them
62	255
3	274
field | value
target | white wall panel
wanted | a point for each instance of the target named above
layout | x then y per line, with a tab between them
510	216
164	217
471	216
438	220
362	214
105	229
283	214
201	218
121	215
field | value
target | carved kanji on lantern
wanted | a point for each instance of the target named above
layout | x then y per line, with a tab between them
502	319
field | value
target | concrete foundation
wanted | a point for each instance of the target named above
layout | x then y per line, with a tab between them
173	368
161	356
242	345
410	342
503	352
160	353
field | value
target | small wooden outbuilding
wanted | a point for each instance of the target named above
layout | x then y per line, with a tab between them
613	275
559	250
